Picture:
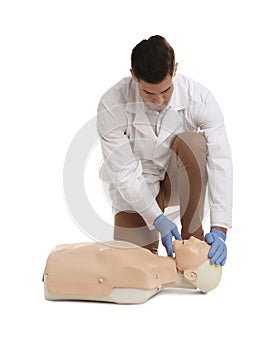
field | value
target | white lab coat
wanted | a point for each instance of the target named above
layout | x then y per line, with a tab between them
136	157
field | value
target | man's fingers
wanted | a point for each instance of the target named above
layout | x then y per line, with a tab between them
176	234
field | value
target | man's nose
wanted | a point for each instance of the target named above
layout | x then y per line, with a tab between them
159	100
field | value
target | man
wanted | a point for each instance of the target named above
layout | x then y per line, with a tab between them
163	141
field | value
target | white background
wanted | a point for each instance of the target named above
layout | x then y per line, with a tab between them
57	59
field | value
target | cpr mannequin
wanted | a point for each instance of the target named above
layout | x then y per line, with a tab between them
125	273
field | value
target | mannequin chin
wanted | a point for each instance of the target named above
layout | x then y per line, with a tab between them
121	272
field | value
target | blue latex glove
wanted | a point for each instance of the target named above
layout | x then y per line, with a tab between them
218	250
167	229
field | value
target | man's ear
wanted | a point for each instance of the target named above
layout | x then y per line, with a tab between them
190	275
133	75
175	69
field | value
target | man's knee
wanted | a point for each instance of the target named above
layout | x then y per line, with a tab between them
196	142
130	227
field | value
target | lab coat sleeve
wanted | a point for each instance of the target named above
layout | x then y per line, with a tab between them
210	120
120	167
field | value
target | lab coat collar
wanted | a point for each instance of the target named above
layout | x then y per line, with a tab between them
142	123
170	121
134	98
179	98
135	105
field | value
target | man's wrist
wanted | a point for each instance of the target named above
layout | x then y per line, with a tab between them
223	229
157	219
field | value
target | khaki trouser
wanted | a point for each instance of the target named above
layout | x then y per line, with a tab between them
184	185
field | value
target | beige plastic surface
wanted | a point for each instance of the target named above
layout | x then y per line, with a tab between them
192	260
96	268
117	295
121	272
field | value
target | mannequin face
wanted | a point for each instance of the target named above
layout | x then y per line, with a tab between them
190	254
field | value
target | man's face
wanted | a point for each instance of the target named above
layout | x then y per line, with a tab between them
156	95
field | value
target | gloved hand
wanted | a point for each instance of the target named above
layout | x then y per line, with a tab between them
167	229
218	250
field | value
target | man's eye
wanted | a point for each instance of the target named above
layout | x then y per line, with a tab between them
164	92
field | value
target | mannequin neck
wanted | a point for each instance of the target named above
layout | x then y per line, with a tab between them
180	282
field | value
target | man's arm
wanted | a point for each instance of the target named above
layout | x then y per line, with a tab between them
219	163
219	169
121	167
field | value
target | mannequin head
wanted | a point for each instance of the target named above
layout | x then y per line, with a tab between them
192	260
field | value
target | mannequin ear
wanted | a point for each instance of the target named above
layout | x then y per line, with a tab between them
190	275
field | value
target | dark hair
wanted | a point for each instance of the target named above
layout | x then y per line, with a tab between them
153	59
